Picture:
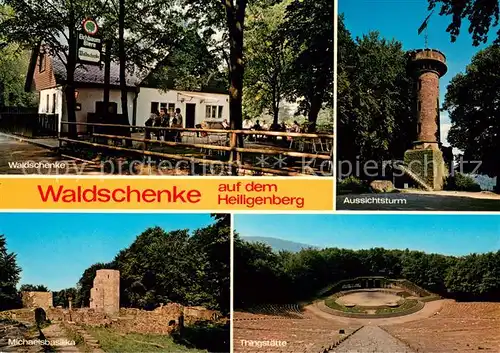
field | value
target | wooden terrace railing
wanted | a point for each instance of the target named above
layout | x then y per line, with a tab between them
314	146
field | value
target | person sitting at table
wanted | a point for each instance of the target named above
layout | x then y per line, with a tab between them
175	135
148	123
295	127
165	122
178	116
257	127
225	124
247	125
157	123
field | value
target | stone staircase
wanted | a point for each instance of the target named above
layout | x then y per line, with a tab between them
89	341
413	176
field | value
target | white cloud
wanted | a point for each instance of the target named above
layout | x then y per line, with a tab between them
445	129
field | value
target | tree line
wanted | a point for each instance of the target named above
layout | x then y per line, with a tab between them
157	268
263	276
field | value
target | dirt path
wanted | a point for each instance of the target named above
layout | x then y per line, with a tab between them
428	310
372	339
56	334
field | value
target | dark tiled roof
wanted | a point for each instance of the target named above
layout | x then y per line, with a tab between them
93	73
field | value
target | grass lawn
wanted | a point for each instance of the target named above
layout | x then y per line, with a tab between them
408	304
331	303
112	341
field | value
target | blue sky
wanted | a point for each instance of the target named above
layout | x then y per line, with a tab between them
54	249
444	234
400	20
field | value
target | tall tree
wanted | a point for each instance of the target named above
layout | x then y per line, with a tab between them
55	24
228	17
309	30
482	15
123	60
13	67
375	120
9	276
268	60
472	100
190	65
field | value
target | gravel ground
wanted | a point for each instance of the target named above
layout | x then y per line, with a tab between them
372	339
13	152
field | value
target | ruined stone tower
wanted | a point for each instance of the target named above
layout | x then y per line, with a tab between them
105	293
425	160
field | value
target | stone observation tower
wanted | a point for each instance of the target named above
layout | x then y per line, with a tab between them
105	294
425	160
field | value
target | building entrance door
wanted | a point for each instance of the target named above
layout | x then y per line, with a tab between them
190	114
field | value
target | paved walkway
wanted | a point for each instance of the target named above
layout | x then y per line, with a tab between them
45	142
371	339
20	157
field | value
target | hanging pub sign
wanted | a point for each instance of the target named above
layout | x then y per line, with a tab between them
89	44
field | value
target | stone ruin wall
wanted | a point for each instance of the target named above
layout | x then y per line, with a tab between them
105	310
163	320
33	300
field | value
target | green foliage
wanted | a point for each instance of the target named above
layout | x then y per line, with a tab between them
331	303
61	298
9	277
309	31
375	121
112	341
13	67
352	184
268	60
160	267
295	277
406	305
472	103
205	336
461	182
427	164
475	276
33	288
481	16
189	66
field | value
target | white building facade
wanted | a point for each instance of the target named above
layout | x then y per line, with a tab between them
196	107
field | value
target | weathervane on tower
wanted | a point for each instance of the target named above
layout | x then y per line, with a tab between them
423	27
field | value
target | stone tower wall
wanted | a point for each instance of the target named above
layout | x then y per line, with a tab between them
105	294
428	107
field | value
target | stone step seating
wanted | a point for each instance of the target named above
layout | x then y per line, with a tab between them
311	334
